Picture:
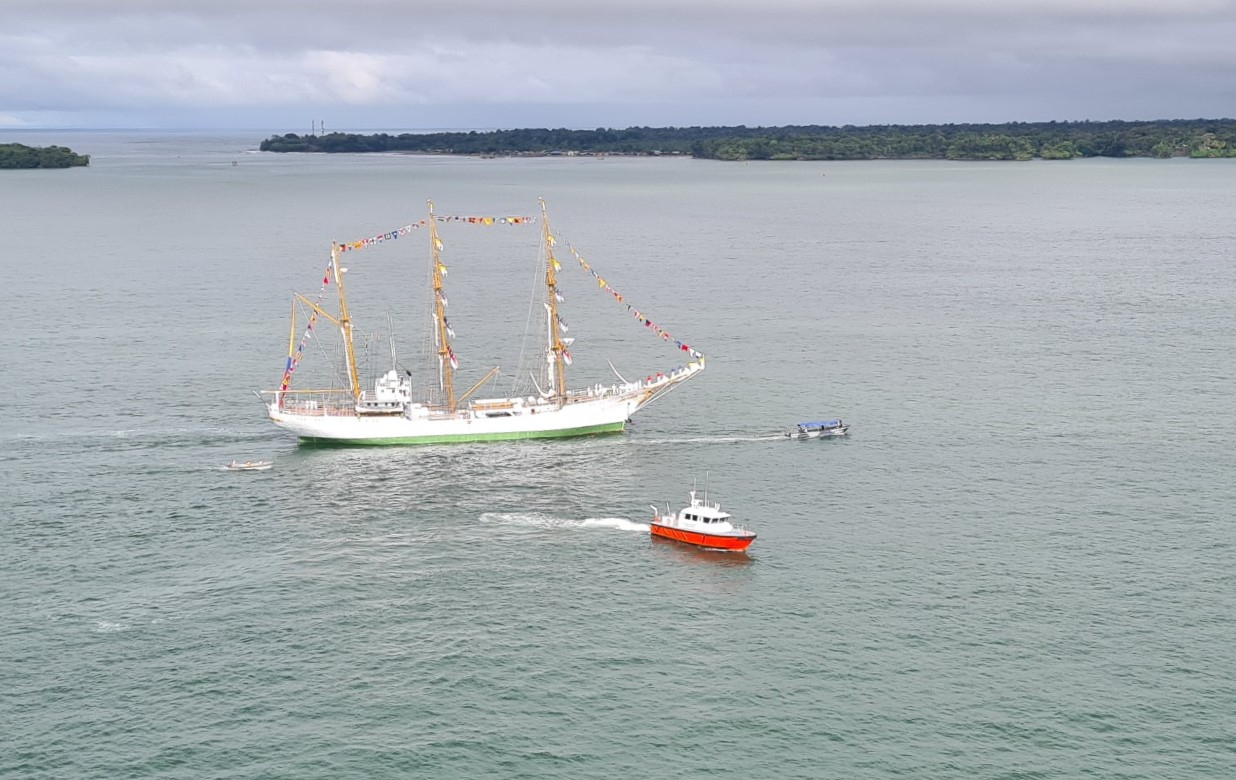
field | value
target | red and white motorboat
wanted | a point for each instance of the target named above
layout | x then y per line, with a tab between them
702	524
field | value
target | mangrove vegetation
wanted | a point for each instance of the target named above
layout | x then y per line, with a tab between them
22	156
1010	141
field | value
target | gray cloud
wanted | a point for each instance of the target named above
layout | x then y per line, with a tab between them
482	63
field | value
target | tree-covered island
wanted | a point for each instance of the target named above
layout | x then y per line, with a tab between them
1011	141
22	156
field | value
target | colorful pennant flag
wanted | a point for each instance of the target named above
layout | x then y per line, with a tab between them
603	285
391	235
294	359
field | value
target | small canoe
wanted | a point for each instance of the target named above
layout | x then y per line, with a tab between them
250	465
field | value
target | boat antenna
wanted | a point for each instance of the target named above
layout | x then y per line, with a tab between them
390	326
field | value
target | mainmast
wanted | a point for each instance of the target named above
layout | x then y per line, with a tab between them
446	358
345	322
555	345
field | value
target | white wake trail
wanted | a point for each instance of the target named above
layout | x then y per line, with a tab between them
548	522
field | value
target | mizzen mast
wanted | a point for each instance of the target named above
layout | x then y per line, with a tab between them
555	344
446	358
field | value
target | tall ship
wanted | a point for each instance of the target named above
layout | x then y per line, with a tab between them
393	409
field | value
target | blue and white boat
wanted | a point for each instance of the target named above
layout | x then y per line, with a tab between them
815	430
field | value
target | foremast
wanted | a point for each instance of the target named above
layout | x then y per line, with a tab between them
345	322
556	348
446	357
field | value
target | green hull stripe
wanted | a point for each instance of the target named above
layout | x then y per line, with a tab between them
461	438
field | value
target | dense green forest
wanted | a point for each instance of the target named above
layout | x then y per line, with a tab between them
1011	141
22	156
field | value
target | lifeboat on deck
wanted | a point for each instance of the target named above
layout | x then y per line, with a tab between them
701	524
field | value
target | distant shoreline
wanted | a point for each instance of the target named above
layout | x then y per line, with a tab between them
1195	138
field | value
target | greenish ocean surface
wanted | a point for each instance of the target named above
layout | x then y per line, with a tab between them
1019	564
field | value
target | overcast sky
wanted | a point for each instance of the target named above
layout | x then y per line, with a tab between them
410	64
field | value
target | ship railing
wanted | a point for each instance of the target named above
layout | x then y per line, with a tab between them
441	413
603	391
314	403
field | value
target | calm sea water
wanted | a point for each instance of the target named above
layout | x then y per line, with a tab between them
1019	565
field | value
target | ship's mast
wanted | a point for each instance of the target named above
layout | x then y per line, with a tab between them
555	344
292	334
445	369
345	322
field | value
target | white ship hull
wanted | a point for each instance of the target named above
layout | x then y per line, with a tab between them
595	411
580	419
